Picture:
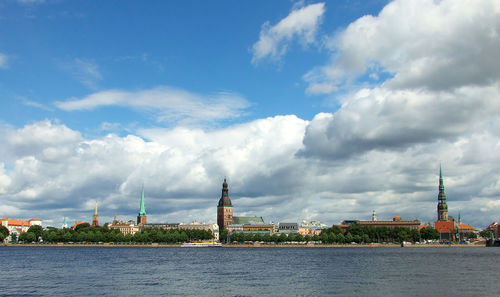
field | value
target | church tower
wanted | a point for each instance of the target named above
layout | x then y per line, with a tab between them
95	218
141	217
442	207
224	208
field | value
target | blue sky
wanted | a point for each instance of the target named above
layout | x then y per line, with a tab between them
312	110
59	50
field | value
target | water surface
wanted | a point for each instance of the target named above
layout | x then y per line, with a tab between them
133	271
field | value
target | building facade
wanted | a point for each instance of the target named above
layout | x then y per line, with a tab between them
224	208
19	226
396	222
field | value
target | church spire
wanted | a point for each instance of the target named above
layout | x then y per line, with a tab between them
442	208
141	217
95	218
142	207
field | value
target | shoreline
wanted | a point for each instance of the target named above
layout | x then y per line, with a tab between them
156	245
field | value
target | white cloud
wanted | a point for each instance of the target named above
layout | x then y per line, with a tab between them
381	119
85	71
302	23
167	103
3	60
182	169
439	45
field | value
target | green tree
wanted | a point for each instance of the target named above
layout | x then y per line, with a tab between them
267	237
223	235
485	234
37	230
4	232
82	226
27	237
349	238
429	233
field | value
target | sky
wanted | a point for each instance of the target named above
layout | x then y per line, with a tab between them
311	110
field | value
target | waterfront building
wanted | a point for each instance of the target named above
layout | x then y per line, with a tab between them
258	227
288	227
95	218
311	228
141	217
125	227
396	222
19	226
495	229
224	208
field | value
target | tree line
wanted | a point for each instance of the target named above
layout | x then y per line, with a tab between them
354	233
84	233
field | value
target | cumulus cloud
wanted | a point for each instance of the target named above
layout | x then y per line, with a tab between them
182	169
384	119
302	24
167	103
439	45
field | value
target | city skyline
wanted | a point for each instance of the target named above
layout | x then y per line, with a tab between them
312	110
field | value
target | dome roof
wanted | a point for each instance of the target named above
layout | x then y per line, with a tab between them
224	199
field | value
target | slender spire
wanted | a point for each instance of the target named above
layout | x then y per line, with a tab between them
442	207
95	218
142	207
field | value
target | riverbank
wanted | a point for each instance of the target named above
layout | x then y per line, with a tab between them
157	245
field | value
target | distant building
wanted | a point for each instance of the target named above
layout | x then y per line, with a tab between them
95	218
311	228
248	220
396	222
224	208
19	226
446	230
288	227
495	229
141	217
125	227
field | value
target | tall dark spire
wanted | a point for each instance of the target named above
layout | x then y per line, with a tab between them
224	198
442	207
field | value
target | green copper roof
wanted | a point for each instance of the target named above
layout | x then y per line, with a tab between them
142	208
248	220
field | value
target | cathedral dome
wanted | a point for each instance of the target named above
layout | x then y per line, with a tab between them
224	199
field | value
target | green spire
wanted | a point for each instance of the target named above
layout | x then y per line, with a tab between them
142	208
441	195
